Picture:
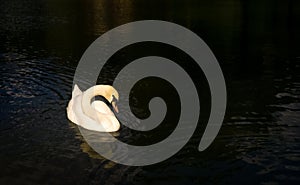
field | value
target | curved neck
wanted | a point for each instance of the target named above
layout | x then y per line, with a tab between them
87	97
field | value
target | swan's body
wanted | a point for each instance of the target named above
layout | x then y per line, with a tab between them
96	116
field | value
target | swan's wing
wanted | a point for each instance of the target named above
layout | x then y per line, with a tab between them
101	107
105	119
76	91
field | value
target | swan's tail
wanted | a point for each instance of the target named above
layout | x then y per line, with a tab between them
76	91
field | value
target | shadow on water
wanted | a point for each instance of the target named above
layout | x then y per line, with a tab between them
255	42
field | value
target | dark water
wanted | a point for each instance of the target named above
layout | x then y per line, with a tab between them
257	46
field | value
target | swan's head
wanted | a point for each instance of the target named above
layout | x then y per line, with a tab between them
107	91
112	96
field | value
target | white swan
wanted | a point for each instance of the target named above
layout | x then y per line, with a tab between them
96	116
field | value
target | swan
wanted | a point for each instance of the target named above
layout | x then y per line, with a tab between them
95	116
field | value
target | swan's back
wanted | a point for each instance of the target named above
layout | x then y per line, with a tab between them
76	91
70	109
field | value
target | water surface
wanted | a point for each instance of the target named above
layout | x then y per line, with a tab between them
256	44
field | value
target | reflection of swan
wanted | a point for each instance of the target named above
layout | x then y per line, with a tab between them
94	137
96	116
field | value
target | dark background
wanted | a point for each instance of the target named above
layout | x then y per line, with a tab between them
256	43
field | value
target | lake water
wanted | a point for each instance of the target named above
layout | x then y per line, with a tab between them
256	44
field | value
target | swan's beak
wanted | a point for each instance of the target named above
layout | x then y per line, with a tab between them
115	107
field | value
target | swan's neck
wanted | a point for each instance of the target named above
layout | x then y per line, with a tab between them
87	97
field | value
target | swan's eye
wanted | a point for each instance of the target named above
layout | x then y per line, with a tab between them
114	99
